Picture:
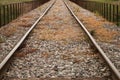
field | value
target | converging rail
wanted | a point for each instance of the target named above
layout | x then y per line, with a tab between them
116	74
2	64
110	64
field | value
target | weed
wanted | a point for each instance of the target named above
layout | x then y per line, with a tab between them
24	52
2	39
92	32
8	31
77	10
46	55
97	13
25	24
13	1
39	8
98	31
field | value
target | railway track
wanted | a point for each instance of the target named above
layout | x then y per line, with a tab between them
7	58
114	71
111	65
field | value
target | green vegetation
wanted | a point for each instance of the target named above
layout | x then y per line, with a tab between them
2	39
12	1
111	12
105	0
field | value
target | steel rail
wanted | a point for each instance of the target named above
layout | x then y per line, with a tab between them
24	37
110	64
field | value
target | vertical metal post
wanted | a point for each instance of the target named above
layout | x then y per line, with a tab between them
113	13
117	14
107	15
18	9
22	8
110	12
7	16
9	11
0	16
104	10
15	7
94	7
91	5
99	7
88	5
4	14
12	10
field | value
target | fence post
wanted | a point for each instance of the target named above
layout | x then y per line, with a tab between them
110	12
12	11
4	14
91	6
117	14
107	14
95	7
113	13
104	10
7	13
17	9
100	8
21	8
23	11
0	16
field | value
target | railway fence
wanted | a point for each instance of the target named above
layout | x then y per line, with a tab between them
110	11
9	12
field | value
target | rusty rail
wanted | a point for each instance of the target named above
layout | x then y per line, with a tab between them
6	60
116	73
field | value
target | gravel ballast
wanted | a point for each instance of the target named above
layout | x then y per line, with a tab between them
57	47
11	33
107	34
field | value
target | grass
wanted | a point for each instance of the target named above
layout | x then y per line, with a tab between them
24	51
12	1
2	39
9	14
96	28
105	0
55	31
58	34
8	31
108	9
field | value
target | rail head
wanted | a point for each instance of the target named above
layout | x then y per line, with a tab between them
102	53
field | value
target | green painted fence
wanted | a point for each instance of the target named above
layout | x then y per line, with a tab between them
9	12
110	11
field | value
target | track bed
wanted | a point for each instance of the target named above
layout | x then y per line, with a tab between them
57	49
